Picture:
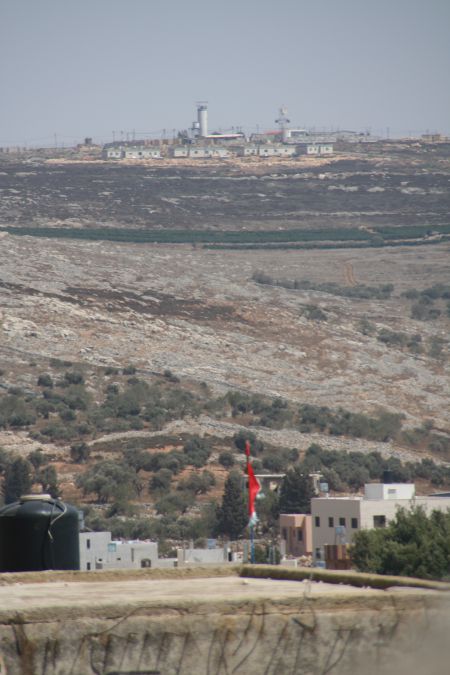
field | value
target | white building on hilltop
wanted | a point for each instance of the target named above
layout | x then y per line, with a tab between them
336	519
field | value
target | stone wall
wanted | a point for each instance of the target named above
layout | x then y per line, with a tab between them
259	627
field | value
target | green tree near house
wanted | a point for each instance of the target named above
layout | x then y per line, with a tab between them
232	514
413	545
296	492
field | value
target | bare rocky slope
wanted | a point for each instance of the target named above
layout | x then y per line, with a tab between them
201	314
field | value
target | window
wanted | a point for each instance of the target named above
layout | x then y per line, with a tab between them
317	521
299	535
379	521
284	533
354	523
330	521
342	522
88	543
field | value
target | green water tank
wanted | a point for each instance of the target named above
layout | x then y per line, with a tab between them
39	533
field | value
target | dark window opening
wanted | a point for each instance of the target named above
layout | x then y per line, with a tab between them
379	521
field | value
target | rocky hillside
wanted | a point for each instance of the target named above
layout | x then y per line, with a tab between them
364	331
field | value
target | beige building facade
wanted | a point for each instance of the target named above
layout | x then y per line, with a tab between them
296	534
336	519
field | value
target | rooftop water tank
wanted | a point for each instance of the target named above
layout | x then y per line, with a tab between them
39	533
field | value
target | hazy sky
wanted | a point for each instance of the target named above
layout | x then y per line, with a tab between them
80	68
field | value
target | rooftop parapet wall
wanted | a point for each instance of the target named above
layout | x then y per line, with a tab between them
206	625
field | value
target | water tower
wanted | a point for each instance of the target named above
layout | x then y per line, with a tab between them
202	118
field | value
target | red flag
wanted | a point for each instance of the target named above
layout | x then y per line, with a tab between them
253	488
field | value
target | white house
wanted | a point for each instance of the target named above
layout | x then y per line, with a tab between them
247	150
336	519
142	152
98	552
315	149
180	151
115	153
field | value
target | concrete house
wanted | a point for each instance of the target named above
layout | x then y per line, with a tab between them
98	552
336	519
296	534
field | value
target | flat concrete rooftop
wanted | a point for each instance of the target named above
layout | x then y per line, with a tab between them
212	621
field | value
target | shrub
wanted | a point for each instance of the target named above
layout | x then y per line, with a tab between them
197	451
424	311
366	327
45	380
107	480
161	480
226	459
170	376
37	458
16	411
73	377
79	452
174	503
67	415
240	438
110	370
198	483
314	313
274	462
